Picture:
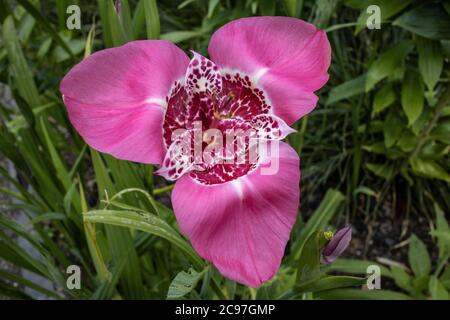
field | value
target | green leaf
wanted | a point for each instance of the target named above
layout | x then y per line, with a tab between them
89	45
46	217
377	148
61	7
347	90
428	169
108	287
385	171
212	7
184	283
437	290
364	190
331	282
16	279
445	278
387	63
26	26
412	96
407	141
125	20
354	266
11	251
138	21
76	46
429	21
442	131
383	98
388	9
180	36
418	257
147	223
431	61
118	35
267	7
418	126
121	244
19	69
12	292
434	151
402	279
152	19
61	171
103	10
442	227
45	24
309	262
92	242
25	109
393	127
44	48
420	284
293	7
444	236
355	294
136	191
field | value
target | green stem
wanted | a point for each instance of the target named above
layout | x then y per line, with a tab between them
442	265
304	124
288	295
340	26
440	105
163	189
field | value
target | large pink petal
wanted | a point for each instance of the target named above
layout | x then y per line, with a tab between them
242	226
116	97
133	133
287	57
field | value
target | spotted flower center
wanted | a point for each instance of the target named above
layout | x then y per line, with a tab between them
222	114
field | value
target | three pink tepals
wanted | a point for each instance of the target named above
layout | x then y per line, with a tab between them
261	75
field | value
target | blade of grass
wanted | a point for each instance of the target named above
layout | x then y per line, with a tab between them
152	19
148	223
22	75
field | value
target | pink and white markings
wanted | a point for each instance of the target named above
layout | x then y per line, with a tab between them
214	124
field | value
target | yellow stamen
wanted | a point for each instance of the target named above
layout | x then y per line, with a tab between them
328	235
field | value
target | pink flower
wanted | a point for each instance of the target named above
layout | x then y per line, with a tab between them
263	72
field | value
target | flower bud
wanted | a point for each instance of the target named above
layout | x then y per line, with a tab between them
337	245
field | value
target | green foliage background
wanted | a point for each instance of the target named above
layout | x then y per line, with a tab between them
380	135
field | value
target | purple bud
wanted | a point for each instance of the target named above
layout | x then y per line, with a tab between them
118	7
337	245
